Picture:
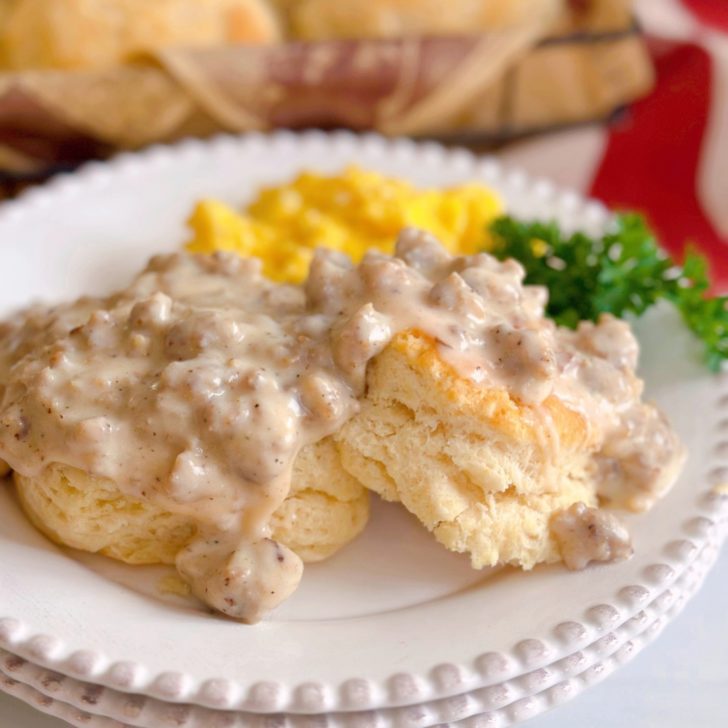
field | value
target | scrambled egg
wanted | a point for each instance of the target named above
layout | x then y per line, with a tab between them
350	212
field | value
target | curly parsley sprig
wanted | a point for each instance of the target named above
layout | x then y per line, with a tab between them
624	271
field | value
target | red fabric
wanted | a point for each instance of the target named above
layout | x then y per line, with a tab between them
710	12
651	159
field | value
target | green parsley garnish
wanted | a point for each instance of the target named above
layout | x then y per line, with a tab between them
623	272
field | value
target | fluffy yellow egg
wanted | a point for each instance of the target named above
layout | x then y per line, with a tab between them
351	212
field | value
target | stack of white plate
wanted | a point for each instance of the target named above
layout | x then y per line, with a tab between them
393	631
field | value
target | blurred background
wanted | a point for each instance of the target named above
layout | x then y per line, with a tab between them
623	100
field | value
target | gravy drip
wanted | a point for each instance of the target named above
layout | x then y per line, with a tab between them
196	386
589	534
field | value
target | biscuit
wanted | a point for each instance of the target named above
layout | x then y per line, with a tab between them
87	34
324	19
325	510
480	470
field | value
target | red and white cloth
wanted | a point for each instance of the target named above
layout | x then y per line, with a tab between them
668	155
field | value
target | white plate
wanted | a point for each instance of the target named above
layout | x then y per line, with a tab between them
498	706
390	621
56	708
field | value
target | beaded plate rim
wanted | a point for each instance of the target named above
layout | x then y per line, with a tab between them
400	689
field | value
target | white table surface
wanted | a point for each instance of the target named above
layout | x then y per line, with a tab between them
680	680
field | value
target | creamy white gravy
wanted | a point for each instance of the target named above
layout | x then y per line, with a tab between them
586	534
196	386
